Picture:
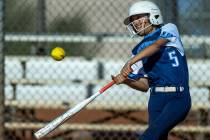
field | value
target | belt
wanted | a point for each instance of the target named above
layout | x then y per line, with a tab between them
167	89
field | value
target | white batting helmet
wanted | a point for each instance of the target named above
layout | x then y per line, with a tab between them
145	7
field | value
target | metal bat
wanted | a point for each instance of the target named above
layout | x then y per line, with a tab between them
69	113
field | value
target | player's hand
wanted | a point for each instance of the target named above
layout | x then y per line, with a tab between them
119	79
126	70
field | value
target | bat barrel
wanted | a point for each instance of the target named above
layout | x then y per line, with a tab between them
61	119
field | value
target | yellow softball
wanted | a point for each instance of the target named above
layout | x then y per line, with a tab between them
58	53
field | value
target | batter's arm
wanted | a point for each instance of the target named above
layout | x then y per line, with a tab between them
148	51
140	84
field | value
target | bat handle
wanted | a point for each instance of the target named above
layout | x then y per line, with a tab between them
106	86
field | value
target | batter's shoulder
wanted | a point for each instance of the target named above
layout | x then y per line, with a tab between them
170	27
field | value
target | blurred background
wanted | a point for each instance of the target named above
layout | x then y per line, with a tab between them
35	89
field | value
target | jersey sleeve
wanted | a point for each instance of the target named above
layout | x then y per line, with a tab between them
170	32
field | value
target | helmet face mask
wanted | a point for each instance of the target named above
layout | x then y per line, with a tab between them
137	27
145	7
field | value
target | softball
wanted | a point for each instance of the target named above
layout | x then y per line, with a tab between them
58	53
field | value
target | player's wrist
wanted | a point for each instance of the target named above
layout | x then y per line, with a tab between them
130	62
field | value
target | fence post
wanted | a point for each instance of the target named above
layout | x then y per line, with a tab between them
2	129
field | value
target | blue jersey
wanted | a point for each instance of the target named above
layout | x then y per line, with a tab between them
167	67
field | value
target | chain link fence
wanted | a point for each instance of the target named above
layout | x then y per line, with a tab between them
37	88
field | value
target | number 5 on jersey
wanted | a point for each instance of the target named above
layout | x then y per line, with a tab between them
173	57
